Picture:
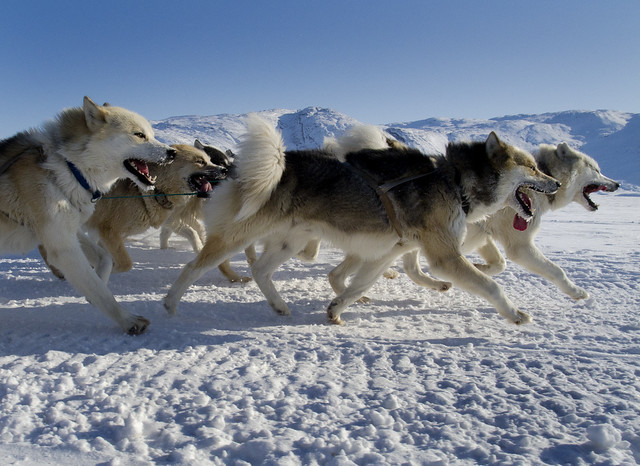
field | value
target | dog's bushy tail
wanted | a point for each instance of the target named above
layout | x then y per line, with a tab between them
360	137
260	164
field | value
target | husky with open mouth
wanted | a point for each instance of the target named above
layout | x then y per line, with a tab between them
51	178
579	175
366	205
127	211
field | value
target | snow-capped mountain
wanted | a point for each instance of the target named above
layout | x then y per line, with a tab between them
610	137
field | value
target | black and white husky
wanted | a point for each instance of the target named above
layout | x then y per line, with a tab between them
370	204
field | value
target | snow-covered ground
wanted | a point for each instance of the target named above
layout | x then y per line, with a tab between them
414	377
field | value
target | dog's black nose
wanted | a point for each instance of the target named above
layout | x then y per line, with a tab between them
558	184
171	154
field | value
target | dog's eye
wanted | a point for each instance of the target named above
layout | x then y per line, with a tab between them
201	163
140	135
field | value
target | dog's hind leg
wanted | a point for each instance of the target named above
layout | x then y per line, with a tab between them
113	242
251	254
215	250
231	275
310	252
531	258
338	276
365	277
447	261
276	252
411	265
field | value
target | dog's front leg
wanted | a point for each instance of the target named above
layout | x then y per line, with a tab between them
190	235
446	261
66	254
531	258
494	262
99	258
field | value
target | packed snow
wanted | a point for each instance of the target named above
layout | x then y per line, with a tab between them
415	377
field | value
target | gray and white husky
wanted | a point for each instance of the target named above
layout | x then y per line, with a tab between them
367	205
579	176
50	179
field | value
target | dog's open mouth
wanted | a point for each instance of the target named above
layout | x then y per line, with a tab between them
201	184
521	222
140	170
590	189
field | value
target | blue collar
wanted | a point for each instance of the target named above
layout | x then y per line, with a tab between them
95	195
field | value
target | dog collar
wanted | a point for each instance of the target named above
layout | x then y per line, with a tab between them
162	200
95	195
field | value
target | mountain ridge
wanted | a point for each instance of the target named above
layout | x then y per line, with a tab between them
611	137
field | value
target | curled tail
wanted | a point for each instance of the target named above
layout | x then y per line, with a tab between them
360	137
260	164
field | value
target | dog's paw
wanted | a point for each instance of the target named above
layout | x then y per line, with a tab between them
444	286
489	269
522	318
170	306
307	256
139	326
391	274
332	314
240	279
579	293
336	321
364	300
281	309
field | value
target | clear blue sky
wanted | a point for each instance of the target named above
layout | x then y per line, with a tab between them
377	61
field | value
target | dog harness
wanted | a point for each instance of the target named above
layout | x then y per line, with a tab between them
382	195
382	190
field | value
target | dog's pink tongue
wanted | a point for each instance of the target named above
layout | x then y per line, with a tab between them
205	187
141	166
519	223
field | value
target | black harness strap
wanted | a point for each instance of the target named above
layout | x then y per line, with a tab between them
382	195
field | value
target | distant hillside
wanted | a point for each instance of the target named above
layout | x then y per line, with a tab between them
610	137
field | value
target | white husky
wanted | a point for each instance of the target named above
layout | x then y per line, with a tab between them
50	179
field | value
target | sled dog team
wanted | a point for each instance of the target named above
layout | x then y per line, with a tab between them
364	193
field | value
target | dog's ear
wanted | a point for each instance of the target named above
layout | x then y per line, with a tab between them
198	145
563	149
94	115
492	143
